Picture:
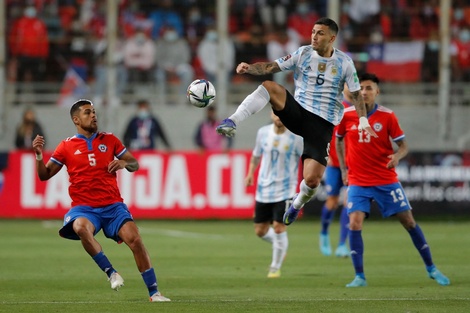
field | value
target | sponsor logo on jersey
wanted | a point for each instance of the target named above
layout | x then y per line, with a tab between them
102	148
287	57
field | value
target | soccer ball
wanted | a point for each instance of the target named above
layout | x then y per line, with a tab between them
201	93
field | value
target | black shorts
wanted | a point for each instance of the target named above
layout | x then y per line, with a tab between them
268	212
315	130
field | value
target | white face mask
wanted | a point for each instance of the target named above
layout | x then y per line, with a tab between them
464	35
211	35
171	35
30	12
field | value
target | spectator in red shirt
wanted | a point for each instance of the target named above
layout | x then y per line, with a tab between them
29	46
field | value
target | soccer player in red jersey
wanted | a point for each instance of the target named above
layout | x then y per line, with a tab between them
92	159
333	186
371	176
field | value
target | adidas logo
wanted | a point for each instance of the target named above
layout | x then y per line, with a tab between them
425	246
354	127
402	204
78	152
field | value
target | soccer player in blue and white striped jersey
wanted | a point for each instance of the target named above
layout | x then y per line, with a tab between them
320	72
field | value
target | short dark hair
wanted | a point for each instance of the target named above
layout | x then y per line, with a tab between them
369	76
76	106
328	22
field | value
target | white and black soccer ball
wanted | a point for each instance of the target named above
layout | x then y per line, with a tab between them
201	93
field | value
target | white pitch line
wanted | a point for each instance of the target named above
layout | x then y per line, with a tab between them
231	300
180	233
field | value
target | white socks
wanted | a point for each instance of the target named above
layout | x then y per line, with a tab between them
305	195
280	246
269	236
252	104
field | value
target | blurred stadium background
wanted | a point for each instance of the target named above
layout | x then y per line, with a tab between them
419	49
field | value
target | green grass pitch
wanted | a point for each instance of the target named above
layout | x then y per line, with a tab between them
221	266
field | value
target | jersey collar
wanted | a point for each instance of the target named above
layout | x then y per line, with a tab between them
373	110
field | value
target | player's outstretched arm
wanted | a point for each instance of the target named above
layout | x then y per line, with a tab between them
260	68
360	106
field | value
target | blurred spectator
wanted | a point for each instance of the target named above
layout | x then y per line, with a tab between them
29	46
206	139
196	25
279	45
100	47
132	19
302	21
430	68
27	130
143	129
139	57
208	54
254	50
363	16
273	13
173	57
460	51
166	16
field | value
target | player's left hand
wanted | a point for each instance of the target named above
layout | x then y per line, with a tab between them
116	165
393	161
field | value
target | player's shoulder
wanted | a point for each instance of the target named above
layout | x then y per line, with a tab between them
382	109
342	55
350	109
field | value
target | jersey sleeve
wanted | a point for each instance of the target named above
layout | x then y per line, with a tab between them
351	76
299	145
118	147
395	130
58	156
288	62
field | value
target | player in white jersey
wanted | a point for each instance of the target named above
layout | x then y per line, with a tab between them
277	152
320	71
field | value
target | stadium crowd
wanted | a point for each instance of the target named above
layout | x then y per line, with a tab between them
71	34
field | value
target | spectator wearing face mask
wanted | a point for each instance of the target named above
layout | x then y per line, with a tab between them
165	16
460	52
29	47
144	129
208	54
139	57
27	130
173	59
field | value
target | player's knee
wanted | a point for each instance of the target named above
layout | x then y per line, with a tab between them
134	242
312	181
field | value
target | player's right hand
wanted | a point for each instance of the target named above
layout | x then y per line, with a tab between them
242	68
38	144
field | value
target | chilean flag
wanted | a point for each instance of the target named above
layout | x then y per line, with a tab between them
396	61
73	88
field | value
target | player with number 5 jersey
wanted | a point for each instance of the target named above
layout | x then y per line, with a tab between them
92	159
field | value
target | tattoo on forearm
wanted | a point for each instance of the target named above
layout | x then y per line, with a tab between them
263	68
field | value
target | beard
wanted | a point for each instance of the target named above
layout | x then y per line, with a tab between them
91	128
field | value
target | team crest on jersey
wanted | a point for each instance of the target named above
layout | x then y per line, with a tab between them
378	127
334	71
102	148
322	67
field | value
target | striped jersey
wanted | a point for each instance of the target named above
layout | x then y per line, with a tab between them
87	162
366	156
319	81
278	171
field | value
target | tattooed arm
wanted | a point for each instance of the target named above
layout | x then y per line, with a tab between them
260	68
